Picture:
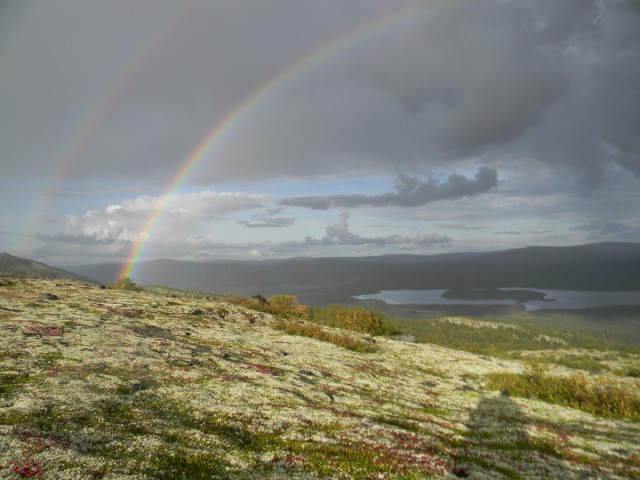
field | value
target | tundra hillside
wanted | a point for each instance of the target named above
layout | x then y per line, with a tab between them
121	384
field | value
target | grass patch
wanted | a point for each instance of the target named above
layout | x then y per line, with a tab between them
290	320
184	463
283	306
580	363
4	282
597	396
628	370
313	330
162	290
396	454
498	339
394	421
357	319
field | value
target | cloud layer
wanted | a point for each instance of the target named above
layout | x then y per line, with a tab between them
501	115
409	192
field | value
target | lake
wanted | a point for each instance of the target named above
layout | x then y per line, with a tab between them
554	299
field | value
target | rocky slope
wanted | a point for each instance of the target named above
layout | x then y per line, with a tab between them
131	385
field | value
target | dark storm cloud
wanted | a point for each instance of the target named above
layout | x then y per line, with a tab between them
593	125
484	68
129	89
409	192
553	81
540	82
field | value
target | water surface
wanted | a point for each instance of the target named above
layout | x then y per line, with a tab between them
554	299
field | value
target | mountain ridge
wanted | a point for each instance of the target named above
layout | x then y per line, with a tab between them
13	266
609	266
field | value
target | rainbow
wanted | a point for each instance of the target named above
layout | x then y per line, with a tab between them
207	147
89	119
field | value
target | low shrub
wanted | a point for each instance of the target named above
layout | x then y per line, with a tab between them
125	283
283	306
600	396
357	319
288	305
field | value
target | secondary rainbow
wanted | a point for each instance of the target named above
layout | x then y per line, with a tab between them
207	147
90	117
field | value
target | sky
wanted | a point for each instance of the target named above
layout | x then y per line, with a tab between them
252	129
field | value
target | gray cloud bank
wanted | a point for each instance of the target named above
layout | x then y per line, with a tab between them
268	219
603	227
338	234
270	223
409	192
79	239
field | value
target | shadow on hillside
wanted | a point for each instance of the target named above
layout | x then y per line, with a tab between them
497	442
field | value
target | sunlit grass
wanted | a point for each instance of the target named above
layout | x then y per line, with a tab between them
357	319
492	338
313	330
600	396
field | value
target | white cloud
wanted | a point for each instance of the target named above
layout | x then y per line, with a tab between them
122	222
338	234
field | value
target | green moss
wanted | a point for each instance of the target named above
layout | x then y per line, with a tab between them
362	459
51	357
398	422
10	383
477	460
436	411
350	459
429	370
178	462
10	355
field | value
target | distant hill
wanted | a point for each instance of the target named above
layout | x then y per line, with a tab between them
11	266
595	267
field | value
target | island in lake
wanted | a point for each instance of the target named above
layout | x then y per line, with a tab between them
520	296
